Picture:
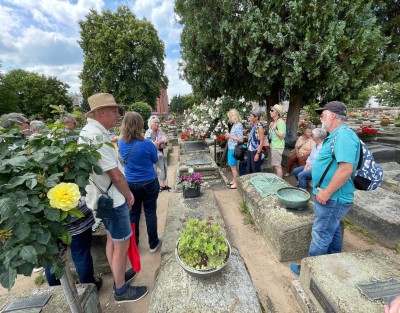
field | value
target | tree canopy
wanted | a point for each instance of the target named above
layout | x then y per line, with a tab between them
34	93
122	56
302	49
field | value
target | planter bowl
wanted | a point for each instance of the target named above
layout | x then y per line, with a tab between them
202	273
191	192
293	198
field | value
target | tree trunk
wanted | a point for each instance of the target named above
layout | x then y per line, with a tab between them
292	120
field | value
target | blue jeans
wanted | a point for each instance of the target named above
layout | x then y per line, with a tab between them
119	226
80	252
326	233
145	193
302	176
252	166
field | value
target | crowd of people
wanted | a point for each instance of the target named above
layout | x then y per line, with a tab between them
134	183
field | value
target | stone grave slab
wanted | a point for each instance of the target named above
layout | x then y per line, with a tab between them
175	291
57	303
173	140
202	163
377	212
391	176
288	232
384	153
193	147
389	140
329	283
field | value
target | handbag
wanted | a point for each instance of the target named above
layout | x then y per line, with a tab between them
105	207
239	151
105	204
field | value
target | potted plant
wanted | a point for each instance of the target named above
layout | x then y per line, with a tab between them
385	121
221	141
190	185
367	134
202	249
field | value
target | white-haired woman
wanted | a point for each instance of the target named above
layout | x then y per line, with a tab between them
155	134
235	136
303	173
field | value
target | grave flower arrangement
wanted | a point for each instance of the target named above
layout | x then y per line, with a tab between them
367	133
202	246
190	180
42	179
220	140
385	121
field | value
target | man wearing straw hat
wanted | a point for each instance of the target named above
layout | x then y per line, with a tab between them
103	116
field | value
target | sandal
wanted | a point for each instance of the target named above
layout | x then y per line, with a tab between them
165	188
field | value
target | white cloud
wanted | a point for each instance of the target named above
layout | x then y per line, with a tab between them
41	36
176	85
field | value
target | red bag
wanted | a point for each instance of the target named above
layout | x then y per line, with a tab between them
265	143
133	252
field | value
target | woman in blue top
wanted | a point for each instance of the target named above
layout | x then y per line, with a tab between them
138	156
235	136
256	138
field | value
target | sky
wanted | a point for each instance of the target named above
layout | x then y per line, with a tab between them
41	36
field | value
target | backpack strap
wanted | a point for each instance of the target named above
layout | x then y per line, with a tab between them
333	158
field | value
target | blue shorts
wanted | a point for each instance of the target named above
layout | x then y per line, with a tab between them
119	226
231	160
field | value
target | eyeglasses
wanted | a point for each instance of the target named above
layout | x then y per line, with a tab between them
325	114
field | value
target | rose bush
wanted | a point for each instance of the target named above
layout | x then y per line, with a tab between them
32	168
211	115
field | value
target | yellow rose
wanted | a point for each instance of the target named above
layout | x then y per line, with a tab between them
64	196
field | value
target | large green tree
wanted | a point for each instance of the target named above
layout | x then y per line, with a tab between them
8	97
122	56
35	93
268	50
388	15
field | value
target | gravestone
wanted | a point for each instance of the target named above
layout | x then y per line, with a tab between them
57	303
331	283
202	163
287	232
176	291
193	147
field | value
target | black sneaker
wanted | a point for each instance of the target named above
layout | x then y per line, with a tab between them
131	294
130	275
98	282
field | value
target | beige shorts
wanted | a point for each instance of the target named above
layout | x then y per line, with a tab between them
276	157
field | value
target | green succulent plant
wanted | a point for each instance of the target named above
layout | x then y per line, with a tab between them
202	245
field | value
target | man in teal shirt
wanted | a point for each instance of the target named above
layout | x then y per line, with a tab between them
334	197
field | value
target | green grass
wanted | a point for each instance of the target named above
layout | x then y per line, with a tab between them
359	230
397	247
40	279
248	219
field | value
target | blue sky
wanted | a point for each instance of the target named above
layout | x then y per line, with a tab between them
41	36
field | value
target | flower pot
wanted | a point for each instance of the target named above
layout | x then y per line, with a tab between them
191	192
198	272
367	139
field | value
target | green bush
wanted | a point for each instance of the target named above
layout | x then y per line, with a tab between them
143	109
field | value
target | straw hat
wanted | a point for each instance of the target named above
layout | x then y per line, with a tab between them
101	100
278	108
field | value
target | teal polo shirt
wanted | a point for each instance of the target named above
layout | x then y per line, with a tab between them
346	149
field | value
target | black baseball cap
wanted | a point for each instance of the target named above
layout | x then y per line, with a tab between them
335	107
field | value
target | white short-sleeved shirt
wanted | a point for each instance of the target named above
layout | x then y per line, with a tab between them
96	132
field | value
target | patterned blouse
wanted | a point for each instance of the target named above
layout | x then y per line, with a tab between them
236	131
